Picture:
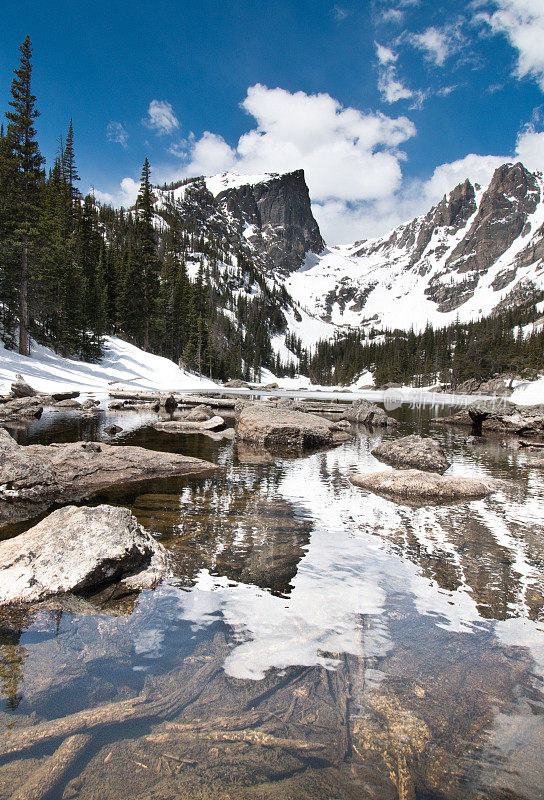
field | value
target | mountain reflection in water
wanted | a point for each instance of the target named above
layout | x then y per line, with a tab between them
316	641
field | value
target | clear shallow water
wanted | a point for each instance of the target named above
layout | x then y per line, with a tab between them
316	641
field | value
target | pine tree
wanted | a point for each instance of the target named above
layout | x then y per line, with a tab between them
9	260
146	255
22	143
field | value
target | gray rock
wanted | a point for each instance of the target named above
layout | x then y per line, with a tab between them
112	430
33	478
68	403
76	549
413	452
369	414
199	413
275	427
20	388
89	404
21	408
416	487
236	383
56	396
188	426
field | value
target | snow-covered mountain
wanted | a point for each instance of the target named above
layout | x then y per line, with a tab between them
480	249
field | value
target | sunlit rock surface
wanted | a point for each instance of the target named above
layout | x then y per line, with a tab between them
75	549
413	452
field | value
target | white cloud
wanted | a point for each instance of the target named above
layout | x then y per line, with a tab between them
161	117
436	44
394	15
125	196
116	132
391	88
344	152
385	54
530	148
522	22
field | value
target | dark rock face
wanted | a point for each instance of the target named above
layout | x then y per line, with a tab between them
281	213
416	487
75	549
413	452
512	195
273	219
33	478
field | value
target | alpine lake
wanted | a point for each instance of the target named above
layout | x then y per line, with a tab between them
315	641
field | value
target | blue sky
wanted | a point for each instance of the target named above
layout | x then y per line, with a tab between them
385	104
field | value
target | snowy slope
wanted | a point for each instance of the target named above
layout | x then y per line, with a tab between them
434	269
123	366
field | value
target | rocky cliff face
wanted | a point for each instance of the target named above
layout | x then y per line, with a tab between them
476	251
280	225
271	218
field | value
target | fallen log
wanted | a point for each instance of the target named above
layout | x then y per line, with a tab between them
140	707
44	779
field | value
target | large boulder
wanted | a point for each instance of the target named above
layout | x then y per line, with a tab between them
416	487
76	549
21	408
285	429
33	478
369	414
413	452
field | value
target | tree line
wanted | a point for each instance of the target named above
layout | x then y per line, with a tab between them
504	342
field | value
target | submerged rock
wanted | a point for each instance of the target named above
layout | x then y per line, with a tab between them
369	414
413	452
76	549
416	487
33	478
290	430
